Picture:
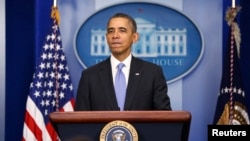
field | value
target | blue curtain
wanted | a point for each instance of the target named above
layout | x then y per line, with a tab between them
244	23
26	27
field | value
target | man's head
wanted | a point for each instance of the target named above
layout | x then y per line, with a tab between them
129	18
121	34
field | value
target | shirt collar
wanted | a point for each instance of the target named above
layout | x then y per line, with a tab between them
115	62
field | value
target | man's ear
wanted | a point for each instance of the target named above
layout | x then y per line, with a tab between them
135	37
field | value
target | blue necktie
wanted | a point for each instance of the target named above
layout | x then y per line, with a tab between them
120	86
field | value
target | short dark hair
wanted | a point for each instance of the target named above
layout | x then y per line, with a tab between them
123	15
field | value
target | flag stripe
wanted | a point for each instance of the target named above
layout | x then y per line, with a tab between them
37	126
52	133
28	133
68	106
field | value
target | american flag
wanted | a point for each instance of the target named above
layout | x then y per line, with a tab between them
231	104
50	90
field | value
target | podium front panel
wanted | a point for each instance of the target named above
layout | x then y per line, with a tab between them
146	131
150	125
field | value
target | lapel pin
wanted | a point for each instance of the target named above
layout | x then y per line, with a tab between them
137	73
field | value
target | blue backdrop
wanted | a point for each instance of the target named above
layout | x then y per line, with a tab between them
26	29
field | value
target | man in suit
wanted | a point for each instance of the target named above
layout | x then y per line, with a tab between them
146	87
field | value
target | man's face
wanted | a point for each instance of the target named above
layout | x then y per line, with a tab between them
120	36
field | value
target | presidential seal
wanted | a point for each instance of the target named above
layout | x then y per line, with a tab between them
118	130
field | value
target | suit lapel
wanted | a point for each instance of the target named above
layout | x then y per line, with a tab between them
105	75
134	78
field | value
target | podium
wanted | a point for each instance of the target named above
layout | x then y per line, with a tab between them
149	125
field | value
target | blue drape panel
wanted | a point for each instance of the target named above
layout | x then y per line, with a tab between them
244	23
23	21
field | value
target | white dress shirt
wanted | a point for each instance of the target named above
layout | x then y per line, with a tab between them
125	69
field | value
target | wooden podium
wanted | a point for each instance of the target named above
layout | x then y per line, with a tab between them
150	125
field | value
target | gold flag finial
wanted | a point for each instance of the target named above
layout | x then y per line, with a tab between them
55	14
230	18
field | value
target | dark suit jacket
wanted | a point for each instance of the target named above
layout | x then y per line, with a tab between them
146	90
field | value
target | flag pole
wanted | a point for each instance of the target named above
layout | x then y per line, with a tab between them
54	3
233	3
56	19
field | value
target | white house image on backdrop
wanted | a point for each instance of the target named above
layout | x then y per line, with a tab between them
153	41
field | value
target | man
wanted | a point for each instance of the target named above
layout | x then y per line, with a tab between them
146	87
